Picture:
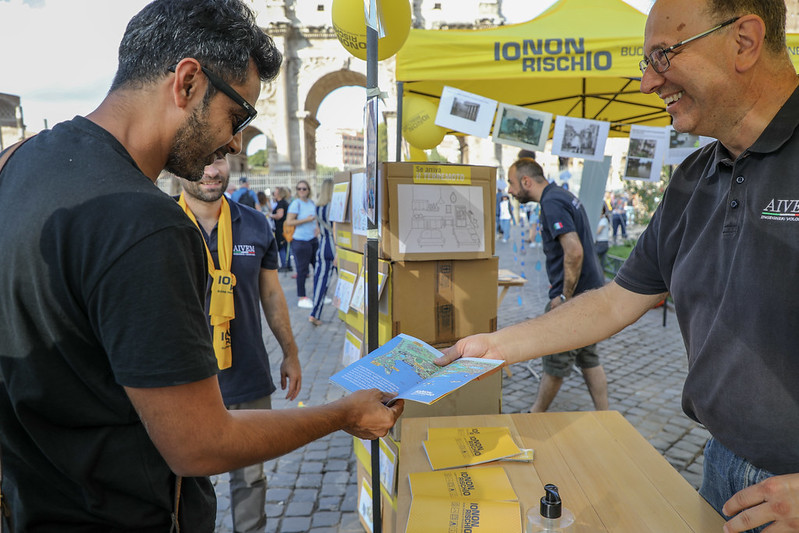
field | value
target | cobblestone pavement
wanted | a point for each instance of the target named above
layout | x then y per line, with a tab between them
315	488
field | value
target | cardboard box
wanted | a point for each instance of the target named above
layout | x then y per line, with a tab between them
426	211
350	262
440	302
434	211
389	459
345	235
479	397
365	505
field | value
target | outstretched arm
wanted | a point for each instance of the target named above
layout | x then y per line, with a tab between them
590	317
197	436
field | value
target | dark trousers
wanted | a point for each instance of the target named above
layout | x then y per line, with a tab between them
619	222
304	256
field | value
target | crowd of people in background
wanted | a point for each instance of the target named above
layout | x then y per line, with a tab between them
612	222
303	233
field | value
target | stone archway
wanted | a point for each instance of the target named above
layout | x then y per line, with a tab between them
317	93
239	163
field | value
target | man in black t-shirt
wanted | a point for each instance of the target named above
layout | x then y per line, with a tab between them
108	386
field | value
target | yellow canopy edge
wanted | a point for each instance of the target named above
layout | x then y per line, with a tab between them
579	58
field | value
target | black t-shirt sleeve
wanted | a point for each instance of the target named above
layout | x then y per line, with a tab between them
149	311
641	273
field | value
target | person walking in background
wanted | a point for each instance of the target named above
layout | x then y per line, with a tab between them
279	214
244	195
602	234
247	382
533	214
505	217
572	268
619	217
266	209
302	215
325	252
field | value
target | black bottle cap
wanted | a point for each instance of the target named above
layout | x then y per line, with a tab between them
551	503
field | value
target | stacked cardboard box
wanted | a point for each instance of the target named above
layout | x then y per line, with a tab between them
437	274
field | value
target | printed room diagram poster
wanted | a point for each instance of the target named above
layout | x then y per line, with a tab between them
580	138
645	153
440	218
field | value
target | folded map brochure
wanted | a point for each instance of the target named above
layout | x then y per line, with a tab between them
442	515
404	365
526	456
474	449
488	483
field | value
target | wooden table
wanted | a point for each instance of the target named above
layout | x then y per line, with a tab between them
506	280
609	476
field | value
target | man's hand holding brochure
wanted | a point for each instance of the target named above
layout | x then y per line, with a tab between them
405	366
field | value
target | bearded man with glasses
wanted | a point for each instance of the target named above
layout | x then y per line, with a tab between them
111	416
724	242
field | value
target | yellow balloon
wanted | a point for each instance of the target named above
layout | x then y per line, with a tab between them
350	25
419	123
417	154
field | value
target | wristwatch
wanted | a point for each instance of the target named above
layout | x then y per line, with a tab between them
562	297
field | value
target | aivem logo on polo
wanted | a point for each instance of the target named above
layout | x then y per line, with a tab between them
782	210
244	249
557	54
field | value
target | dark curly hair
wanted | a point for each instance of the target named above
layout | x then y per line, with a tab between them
221	34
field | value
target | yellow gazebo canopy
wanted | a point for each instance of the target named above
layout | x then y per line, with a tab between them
579	58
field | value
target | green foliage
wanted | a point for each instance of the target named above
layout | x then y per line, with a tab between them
258	159
647	195
324	170
382	142
433	155
622	251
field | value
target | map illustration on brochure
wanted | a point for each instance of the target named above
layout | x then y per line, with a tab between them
404	365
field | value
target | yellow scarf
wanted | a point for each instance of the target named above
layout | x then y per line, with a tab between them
221	306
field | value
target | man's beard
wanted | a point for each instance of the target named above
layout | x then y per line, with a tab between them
523	197
187	157
194	188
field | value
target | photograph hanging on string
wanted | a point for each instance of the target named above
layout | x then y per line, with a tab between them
646	152
580	138
465	112
681	145
521	127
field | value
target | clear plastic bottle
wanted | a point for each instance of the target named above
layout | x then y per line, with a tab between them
551	516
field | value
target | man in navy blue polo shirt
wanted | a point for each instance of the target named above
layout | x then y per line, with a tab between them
247	382
572	269
724	242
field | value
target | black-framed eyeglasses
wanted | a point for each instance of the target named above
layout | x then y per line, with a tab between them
231	93
660	61
302	188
